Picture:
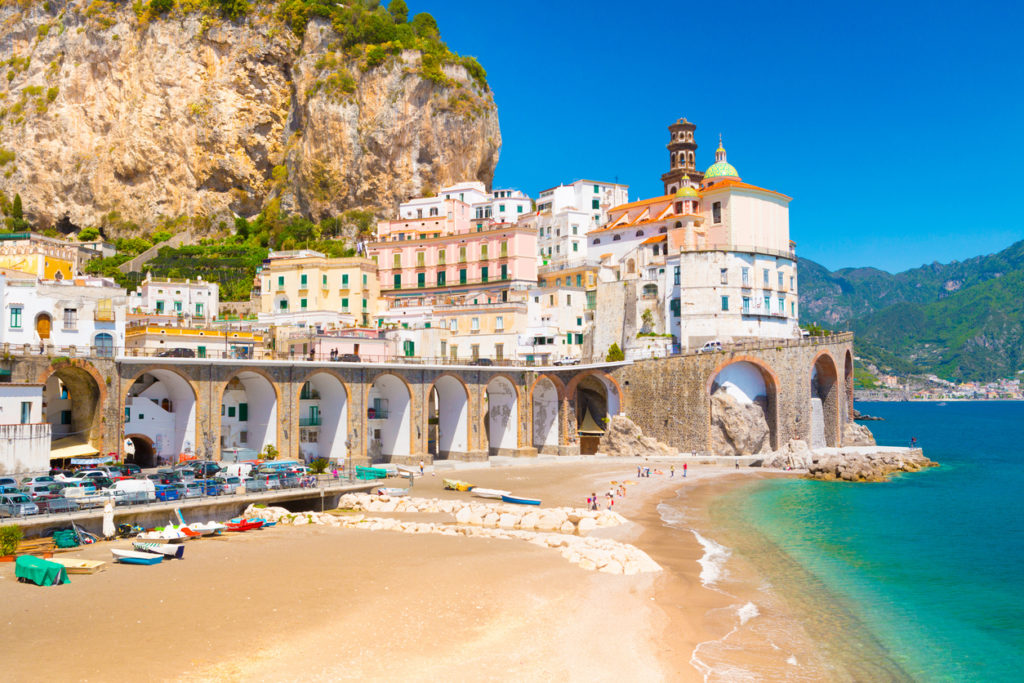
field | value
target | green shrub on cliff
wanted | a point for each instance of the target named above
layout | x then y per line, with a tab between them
614	354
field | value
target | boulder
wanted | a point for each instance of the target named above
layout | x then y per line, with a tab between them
491	520
738	428
586	525
623	438
860	464
795	455
508	521
855	434
529	521
568	527
464	516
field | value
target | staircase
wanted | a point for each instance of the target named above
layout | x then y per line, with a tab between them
135	265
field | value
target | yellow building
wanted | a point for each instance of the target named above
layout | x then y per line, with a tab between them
43	257
146	338
308	288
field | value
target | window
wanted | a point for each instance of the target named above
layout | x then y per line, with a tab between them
675	275
674	306
596	189
725	303
499	351
177	307
26	412
397	281
501	208
201	351
453	325
575	229
231	411
595	204
558	282
441	278
70	318
746	276
364	280
344	305
568	297
104	344
579	280
65	417
323	281
483	252
782	306
792	309
15	317
746	304
575	246
159	306
499	323
364	304
421	279
344	280
474	325
616	238
280	281
483	274
284	304
243	437
243	412
462	276
596	241
441	257
780	279
462	254
767	304
716	212
302	304
579	321
199	309
504	272
474	350
766	279
421	259
455	351
397	260
302	281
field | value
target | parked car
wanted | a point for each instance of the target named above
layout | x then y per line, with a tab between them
9	481
36	490
166	492
193	489
17	505
348	358
710	347
231	484
212	487
42	479
566	360
205	469
55	503
482	362
8	488
177	353
169	476
93	474
131	469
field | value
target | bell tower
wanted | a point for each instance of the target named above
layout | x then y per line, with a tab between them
682	154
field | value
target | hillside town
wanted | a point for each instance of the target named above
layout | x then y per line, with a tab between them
465	276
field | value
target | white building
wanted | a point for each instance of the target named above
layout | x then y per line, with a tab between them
500	206
86	313
24	436
198	300
567	213
555	325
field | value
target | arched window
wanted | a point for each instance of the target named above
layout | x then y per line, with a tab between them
630	266
104	344
639	233
166	405
678	225
672	189
650	291
597	241
616	238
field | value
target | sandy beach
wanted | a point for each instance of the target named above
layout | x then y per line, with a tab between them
319	603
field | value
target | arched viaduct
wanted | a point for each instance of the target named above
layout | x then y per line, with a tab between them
405	412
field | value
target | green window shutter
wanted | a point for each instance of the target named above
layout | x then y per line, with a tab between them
441	278
483	274
303	280
569	340
725	303
462	276
595	204
364	281
344	280
421	279
364	303
398	281
324	280
504	272
243	412
202	352
344	304
302	303
231	411
579	338
280	281
159	306
284	304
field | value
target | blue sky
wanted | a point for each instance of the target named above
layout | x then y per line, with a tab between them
896	127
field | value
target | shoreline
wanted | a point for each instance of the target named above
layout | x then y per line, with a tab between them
333	603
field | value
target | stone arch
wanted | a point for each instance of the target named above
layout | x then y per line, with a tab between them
448	417
389	411
250	402
743	381
322	419
145	451
501	418
80	413
824	401
173	429
545	399
596	398
848	383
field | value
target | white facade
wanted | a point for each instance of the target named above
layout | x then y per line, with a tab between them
161	408
591	196
562	236
84	313
555	324
24	436
499	206
197	299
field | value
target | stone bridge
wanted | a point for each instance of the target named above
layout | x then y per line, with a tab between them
406	412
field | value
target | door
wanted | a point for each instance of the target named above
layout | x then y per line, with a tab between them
43	324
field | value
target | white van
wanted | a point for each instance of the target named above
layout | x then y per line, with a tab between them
137	490
236	469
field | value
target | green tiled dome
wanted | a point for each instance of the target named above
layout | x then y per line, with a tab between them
721	169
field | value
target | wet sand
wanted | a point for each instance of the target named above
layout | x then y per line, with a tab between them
316	603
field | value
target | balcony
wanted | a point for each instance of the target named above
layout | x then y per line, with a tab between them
309	421
376	414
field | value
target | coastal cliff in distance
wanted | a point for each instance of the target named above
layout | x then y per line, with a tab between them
117	115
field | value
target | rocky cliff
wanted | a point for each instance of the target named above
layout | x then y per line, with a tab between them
112	116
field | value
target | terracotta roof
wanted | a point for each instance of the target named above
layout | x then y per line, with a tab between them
642	202
655	239
729	182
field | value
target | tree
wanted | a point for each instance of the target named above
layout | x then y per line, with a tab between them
647	318
161	6
614	354
16	218
269	453
425	26
399	10
88	234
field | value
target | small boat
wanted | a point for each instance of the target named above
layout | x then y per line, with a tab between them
135	557
164	535
406	470
207	528
266	523
490	493
457	485
247	525
392	492
75	566
520	501
175	550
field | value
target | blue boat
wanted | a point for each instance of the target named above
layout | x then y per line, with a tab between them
135	557
520	501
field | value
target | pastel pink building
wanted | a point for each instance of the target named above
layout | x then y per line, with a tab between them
452	251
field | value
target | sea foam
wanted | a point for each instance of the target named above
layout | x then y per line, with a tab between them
712	564
747	612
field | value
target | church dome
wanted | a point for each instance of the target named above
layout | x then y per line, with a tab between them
687	192
721	168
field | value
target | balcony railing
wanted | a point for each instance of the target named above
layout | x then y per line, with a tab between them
376	414
309	421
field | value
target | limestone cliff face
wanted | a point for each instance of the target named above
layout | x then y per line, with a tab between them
192	115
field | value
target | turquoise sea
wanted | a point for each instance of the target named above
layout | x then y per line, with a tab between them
930	566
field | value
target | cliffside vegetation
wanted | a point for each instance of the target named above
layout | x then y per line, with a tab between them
961	321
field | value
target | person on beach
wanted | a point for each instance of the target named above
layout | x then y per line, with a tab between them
421	468
593	501
684	470
672	472
638	471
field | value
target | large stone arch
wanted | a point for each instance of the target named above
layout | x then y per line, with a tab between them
260	426
501	417
595	397
389	437
172	430
325	412
824	401
87	398
735	425
144	450
448	417
545	422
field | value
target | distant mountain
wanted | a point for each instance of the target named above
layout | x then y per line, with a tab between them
962	320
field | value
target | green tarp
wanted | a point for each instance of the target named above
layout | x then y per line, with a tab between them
39	571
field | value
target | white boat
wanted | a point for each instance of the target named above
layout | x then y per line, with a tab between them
175	550
489	493
406	470
135	557
392	492
208	528
165	535
76	566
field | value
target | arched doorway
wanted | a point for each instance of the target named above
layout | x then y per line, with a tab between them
104	345
448	419
544	401
72	404
824	406
144	452
161	406
389	416
501	421
597	401
248	421
743	397
323	418
44	323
